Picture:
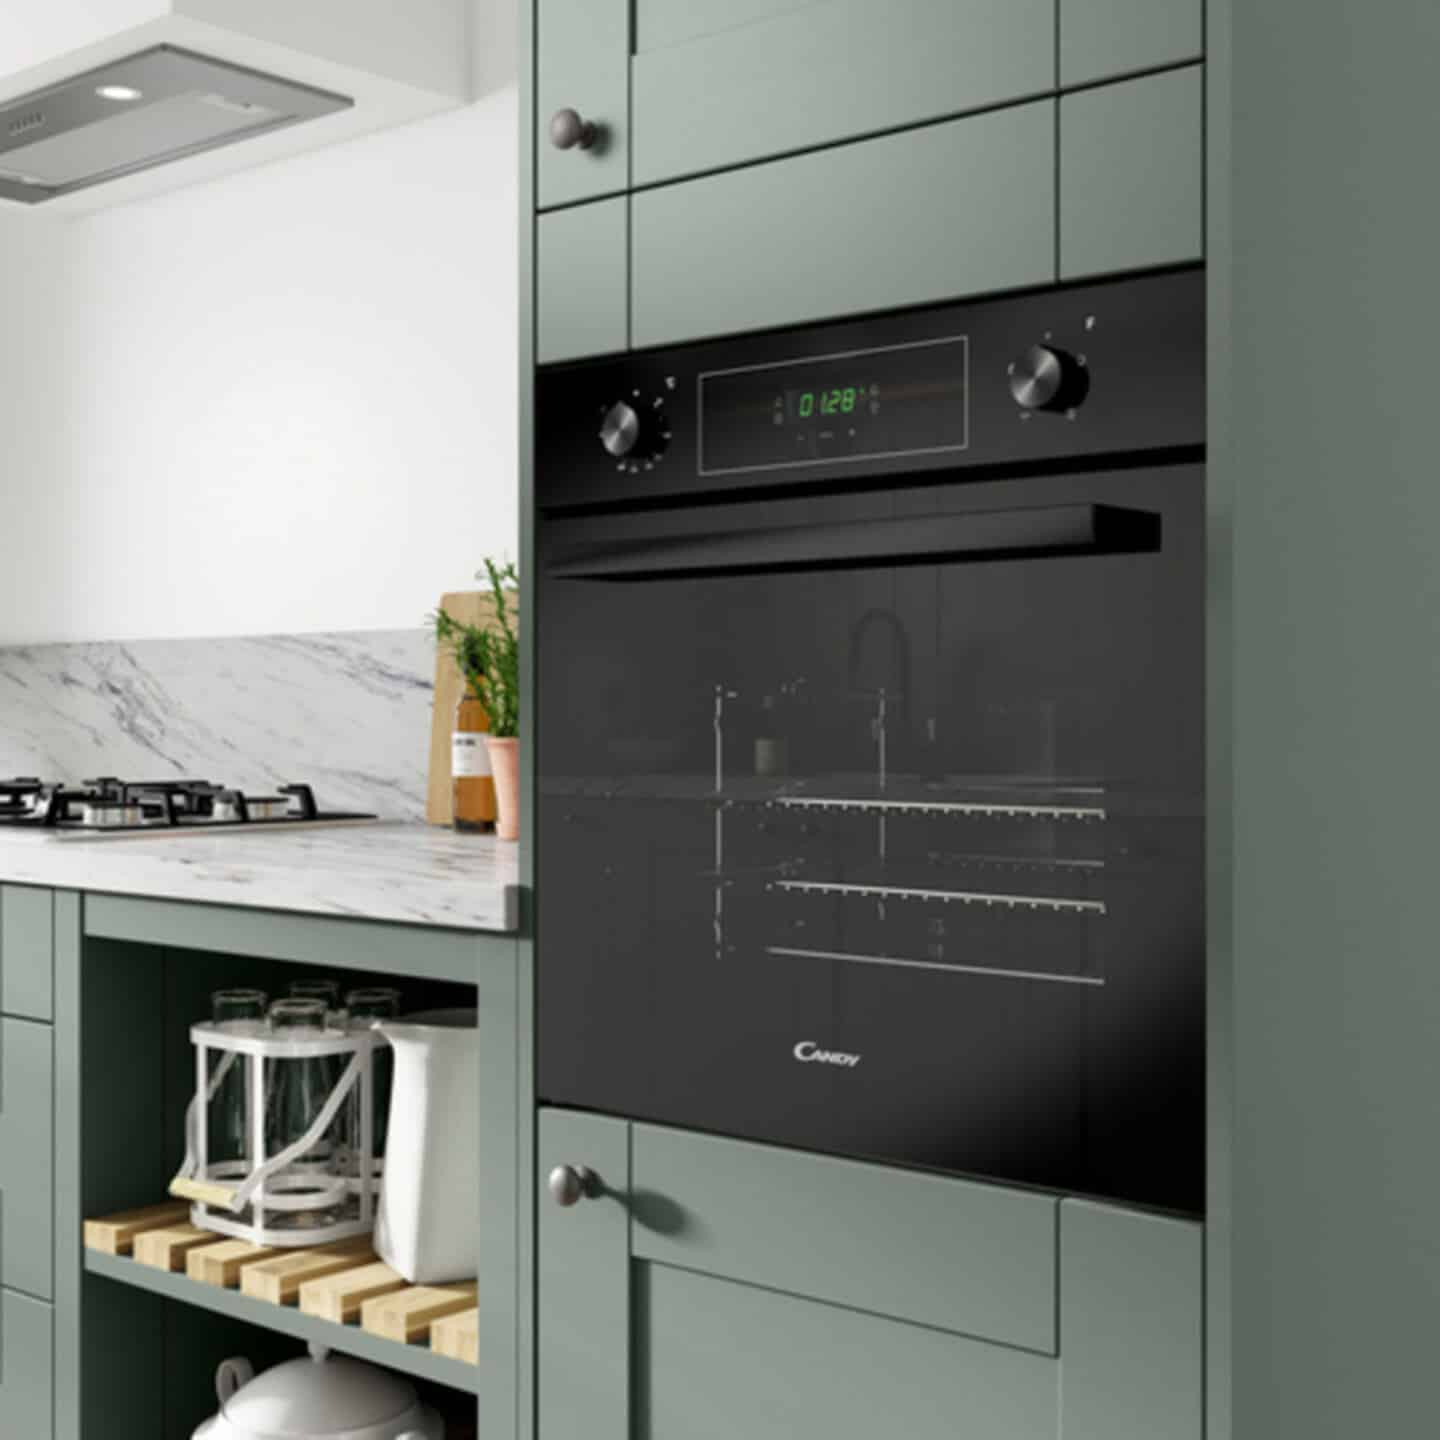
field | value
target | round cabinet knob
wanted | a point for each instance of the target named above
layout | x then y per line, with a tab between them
1045	378
568	131
570	1184
635	431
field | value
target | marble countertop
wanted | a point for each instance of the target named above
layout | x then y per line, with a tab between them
412	873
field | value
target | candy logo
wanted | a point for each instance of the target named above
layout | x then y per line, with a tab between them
807	1052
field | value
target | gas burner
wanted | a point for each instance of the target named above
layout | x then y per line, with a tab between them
108	804
22	798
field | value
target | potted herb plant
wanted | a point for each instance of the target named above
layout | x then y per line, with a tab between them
488	657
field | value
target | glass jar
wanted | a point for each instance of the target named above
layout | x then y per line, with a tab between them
296	1091
316	987
365	1007
231	1134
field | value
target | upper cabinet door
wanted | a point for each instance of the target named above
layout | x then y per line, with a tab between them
1132	174
721	83
933	214
1100	39
584	67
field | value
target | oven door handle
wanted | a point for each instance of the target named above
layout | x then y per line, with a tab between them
1036	533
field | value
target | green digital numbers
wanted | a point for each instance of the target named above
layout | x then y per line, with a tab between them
828	402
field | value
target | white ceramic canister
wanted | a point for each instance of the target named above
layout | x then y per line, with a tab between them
426	1227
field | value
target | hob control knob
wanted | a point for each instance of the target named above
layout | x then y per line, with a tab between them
1047	378
635	431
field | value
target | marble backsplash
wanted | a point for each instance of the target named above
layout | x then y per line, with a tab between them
348	713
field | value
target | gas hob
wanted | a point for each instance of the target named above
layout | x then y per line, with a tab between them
111	806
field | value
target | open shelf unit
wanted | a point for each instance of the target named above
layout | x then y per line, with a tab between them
131	977
413	1359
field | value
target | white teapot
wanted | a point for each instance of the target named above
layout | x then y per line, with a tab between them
321	1398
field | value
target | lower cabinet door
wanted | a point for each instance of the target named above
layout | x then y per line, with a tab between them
693	1288
27	1157
717	1358
27	1368
27	944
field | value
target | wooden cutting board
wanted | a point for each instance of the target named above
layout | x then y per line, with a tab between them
471	607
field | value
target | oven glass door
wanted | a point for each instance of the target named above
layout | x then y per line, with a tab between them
872	825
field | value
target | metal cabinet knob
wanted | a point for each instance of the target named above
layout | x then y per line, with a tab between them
569	1184
569	132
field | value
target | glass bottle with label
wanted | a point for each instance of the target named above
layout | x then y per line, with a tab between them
474	786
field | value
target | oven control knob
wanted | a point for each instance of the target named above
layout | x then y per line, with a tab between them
1046	378
634	431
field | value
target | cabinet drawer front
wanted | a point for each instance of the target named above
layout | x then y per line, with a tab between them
1131	1325
974	1259
582	281
27	1157
583	49
950	210
27	1367
727	1359
27	941
1132	174
1103	38
829	73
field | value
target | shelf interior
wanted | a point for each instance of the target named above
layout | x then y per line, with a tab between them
415	1360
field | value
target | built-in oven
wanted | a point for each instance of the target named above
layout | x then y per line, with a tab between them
870	746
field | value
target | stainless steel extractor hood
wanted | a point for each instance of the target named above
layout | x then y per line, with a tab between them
160	105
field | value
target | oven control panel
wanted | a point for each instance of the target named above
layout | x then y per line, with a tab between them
1077	372
635	431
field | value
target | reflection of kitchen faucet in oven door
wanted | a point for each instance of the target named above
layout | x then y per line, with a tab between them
880	669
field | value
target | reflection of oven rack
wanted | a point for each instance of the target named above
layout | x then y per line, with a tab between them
1054	904
941	807
1016	863
796	953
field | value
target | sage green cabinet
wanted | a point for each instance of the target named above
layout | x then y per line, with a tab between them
27	1157
1100	39
582	284
27	1368
583	64
1131	1325
975	1259
714	88
662	24
954	209
584	1282
1132	174
708	1287
721	1359
27	943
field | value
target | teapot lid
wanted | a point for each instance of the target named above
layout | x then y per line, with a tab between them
320	1396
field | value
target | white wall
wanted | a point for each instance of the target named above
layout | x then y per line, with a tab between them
281	401
32	31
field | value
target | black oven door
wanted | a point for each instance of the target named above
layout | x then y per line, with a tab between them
872	824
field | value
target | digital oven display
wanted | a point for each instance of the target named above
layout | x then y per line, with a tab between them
863	405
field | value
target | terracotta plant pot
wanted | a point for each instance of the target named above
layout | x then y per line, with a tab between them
505	765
